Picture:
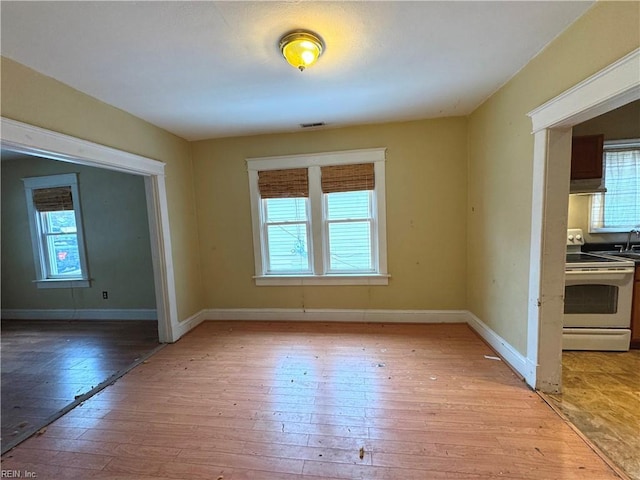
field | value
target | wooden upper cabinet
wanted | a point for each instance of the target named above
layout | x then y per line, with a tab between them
586	157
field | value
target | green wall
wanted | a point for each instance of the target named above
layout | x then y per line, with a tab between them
116	239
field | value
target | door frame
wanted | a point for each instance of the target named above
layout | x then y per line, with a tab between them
31	140
610	88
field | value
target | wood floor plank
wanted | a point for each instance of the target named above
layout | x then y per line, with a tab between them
601	397
47	363
301	401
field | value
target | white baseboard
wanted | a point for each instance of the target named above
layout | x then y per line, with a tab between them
499	344
84	314
336	315
190	323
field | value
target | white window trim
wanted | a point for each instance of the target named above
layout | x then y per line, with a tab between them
51	181
611	145
377	156
265	239
373	231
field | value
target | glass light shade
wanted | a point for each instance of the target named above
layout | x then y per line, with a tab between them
301	49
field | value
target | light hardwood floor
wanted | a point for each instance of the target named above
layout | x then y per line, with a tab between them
267	401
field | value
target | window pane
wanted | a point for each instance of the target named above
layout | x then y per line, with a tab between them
64	257
350	246
622	180
618	209
288	251
285	209
348	205
63	221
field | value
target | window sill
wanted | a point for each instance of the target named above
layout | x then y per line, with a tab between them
303	280
54	283
623	230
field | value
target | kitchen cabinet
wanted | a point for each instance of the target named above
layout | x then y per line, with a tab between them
586	157
635	311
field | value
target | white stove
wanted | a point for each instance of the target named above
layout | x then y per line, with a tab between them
598	293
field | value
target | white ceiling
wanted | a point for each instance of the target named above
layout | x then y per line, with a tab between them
213	69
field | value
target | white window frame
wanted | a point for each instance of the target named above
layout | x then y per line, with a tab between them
265	236
318	237
372	228
40	254
610	145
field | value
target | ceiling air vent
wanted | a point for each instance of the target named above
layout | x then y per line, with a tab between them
311	125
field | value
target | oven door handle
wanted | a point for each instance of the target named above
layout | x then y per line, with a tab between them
600	272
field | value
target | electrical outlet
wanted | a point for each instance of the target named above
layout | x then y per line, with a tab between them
105	295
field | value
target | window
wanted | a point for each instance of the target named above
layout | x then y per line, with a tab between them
319	219
618	210
57	237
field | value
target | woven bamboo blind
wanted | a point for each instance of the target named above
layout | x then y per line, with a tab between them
52	199
347	178
289	183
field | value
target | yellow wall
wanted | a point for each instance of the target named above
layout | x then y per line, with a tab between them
500	162
30	97
426	186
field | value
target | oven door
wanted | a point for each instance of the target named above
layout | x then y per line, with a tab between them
598	299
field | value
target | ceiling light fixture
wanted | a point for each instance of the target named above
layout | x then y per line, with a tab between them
301	48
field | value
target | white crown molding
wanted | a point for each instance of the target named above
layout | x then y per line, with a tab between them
81	314
612	87
32	140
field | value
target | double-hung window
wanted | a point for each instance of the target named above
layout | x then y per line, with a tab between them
286	221
55	222
618	209
319	219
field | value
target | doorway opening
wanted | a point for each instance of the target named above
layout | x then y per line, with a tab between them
103	350
612	87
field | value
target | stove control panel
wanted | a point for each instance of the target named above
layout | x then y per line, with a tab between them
575	236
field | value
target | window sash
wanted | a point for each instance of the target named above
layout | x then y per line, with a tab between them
50	254
270	254
335	254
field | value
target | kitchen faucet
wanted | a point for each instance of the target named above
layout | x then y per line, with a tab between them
629	247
